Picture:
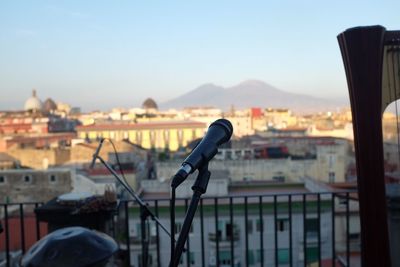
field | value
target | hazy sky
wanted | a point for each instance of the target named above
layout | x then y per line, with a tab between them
103	54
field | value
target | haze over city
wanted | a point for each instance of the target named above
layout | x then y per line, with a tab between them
97	56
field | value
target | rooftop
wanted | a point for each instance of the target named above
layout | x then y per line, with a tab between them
142	125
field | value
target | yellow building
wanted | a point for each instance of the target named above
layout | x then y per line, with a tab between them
280	117
150	135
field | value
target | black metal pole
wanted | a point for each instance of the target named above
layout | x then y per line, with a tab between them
203	264
333	230
186	228
7	232
145	241
22	225
199	188
128	242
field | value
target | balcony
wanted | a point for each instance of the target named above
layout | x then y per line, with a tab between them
223	241
137	240
253	230
213	237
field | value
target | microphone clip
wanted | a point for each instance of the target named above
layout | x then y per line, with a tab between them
201	183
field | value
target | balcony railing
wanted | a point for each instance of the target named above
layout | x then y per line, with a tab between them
253	230
213	237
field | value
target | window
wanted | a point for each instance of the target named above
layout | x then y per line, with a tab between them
343	201
259	254
139	138
137	230
278	178
166	136
355	241
354	236
224	258
312	227
283	256
178	228
152	137
259	225
27	178
331	177
229	231
312	254
220	229
2	179
250	255
153	230
282	224
52	178
180	137
249	226
191	258
238	154
331	160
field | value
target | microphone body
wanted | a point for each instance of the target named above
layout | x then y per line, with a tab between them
96	154
219	132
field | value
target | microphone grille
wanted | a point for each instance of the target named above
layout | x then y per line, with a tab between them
227	125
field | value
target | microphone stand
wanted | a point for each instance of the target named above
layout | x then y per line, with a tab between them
145	212
199	187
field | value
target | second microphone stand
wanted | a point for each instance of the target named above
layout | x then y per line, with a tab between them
145	212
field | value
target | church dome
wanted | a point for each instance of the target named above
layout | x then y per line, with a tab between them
49	105
149	103
33	103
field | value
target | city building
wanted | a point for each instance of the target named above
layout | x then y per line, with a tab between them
170	135
27	185
250	224
345	131
39	122
36	118
40	158
325	159
8	162
279	118
33	104
38	141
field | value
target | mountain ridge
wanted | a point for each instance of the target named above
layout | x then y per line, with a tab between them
251	93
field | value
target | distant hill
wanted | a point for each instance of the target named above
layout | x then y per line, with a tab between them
252	93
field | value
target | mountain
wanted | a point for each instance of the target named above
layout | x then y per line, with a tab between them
251	93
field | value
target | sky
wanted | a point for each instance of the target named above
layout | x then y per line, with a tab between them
105	54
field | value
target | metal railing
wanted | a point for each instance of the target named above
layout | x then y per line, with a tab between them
253	230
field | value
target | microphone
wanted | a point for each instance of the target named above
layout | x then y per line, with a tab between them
219	132
96	154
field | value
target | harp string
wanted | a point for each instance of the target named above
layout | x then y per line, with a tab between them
392	81
396	78
388	72
392	98
393	60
